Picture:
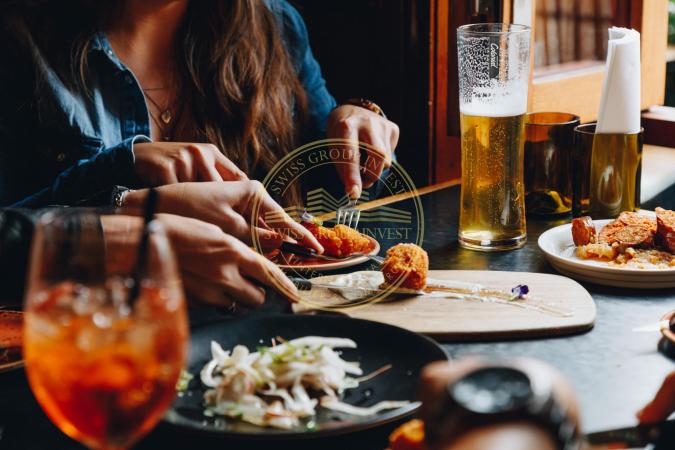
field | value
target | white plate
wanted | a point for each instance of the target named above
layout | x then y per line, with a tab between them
558	246
325	266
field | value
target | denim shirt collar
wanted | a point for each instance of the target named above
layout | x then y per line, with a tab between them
101	43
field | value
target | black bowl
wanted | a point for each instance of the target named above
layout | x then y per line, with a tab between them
378	345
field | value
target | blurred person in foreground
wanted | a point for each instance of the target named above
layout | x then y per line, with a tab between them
518	404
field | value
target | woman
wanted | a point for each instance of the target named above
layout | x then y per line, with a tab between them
149	92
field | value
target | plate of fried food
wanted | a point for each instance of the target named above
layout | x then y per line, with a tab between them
344	245
637	249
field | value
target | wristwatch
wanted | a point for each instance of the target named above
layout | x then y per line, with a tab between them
498	394
365	103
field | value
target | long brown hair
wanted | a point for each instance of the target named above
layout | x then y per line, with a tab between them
244	94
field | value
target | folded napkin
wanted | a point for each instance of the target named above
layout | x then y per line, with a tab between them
620	102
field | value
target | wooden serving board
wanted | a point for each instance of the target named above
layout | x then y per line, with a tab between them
457	319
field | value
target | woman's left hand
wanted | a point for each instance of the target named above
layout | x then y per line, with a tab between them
362	125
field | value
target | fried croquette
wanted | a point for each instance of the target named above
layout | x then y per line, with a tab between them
408	261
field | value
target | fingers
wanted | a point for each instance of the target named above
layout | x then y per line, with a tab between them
246	292
228	170
212	165
348	160
167	174
663	404
378	156
285	224
259	268
203	290
236	225
163	163
254	198
183	167
352	123
205	167
204	161
226	296
269	239
394	133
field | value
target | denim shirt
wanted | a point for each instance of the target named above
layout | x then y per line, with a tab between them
62	147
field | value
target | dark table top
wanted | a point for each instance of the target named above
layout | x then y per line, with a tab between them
613	370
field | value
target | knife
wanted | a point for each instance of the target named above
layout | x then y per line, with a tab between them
307	285
298	249
662	433
658	326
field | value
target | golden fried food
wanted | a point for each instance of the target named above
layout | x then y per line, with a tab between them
351	241
665	228
326	237
409	436
408	262
339	240
583	231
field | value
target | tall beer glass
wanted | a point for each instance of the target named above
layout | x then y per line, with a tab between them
494	62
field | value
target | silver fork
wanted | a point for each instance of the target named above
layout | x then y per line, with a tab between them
348	214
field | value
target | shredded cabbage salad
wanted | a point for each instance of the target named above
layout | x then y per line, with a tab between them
279	385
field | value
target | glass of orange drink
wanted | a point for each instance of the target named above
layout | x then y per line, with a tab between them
102	358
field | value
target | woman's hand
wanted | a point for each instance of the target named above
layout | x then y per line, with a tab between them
229	205
362	125
215	268
219	269
159	163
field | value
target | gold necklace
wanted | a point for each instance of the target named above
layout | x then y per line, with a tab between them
166	115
